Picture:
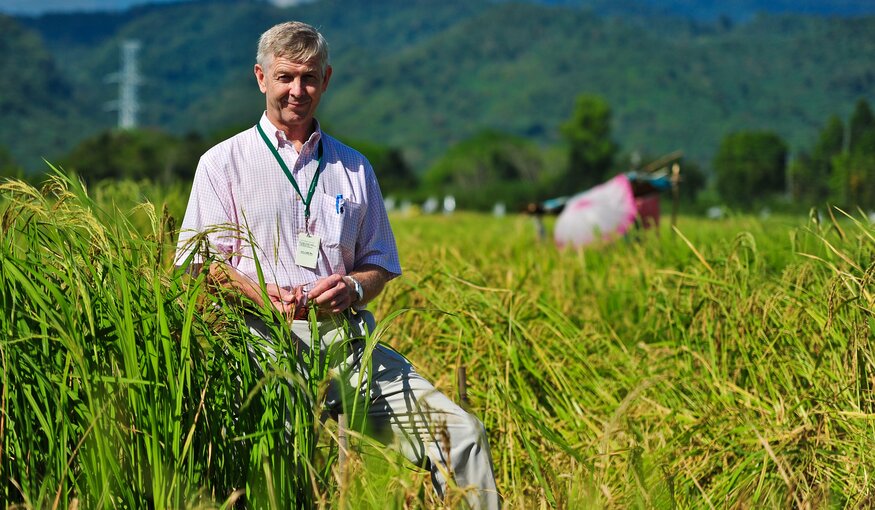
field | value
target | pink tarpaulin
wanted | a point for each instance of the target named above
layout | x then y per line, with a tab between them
602	212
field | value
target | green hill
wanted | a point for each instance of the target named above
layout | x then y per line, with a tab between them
519	68
423	74
40	108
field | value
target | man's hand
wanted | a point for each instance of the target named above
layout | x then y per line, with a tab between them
334	294
283	300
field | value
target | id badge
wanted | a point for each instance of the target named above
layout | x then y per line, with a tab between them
308	251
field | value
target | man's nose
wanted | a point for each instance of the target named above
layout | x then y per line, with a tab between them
296	87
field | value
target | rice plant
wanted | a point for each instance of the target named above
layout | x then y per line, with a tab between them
127	383
717	364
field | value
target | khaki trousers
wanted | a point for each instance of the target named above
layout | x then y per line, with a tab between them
401	407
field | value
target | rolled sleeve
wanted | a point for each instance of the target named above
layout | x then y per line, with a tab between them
207	225
376	242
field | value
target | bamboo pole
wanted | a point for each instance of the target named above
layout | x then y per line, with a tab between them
462	380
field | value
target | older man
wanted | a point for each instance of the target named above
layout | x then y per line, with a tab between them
307	210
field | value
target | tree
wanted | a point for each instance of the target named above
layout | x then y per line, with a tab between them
489	167
841	166
750	165
8	167
591	150
830	143
807	185
853	180
853	171
692	181
395	175
811	173
136	154
861	129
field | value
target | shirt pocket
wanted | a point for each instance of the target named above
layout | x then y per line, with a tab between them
342	221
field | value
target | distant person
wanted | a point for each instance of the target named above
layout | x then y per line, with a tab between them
309	209
536	211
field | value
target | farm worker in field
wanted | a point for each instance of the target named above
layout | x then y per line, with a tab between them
309	210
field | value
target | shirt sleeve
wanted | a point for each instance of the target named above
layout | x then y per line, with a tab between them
376	242
207	228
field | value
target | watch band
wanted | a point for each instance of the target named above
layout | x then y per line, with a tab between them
357	286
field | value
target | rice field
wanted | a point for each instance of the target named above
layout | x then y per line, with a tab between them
722	364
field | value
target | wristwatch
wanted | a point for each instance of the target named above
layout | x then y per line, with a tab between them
357	286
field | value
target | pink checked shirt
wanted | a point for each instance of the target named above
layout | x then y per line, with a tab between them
247	207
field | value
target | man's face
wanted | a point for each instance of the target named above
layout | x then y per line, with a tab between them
292	91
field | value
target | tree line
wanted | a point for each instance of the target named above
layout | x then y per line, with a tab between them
750	169
753	166
425	83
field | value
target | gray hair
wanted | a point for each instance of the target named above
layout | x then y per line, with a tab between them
295	41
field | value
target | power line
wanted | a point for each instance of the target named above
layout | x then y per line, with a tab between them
129	79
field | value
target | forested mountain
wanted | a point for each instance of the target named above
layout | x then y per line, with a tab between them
39	105
694	9
423	74
732	9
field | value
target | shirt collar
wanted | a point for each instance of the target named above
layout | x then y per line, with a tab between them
279	140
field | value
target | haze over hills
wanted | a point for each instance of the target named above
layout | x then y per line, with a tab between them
36	7
422	74
694	9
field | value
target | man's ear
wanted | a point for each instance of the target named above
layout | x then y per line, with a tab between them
326	79
260	77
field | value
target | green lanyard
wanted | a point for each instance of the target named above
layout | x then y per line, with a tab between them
292	179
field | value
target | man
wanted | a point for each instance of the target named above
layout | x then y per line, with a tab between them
308	209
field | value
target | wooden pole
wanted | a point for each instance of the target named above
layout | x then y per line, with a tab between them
675	191
342	452
662	162
462	380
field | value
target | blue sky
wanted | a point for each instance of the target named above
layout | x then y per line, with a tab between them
32	7
41	6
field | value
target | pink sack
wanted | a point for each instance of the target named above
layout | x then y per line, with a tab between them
603	212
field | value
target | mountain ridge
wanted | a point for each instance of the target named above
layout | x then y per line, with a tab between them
424	74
